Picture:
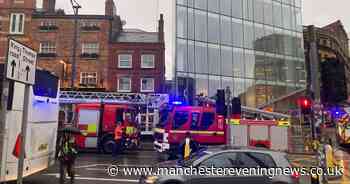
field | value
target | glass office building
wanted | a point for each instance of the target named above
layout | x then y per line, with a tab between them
253	46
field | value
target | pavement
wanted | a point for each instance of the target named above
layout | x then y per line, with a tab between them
91	168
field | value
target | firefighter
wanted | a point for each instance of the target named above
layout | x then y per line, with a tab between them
131	132
118	138
67	155
188	147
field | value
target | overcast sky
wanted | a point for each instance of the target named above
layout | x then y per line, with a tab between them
143	13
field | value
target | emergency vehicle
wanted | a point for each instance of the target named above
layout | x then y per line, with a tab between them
42	125
96	113
99	122
271	134
206	127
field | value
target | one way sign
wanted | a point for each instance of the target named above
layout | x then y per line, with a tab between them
21	63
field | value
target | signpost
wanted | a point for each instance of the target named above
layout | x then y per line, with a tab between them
21	67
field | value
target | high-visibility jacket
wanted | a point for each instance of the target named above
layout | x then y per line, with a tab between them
187	148
118	132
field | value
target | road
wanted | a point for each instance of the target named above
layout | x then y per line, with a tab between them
91	168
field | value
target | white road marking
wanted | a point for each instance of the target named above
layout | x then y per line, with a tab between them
95	169
57	175
92	165
97	179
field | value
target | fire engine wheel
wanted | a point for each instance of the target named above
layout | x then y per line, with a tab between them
108	144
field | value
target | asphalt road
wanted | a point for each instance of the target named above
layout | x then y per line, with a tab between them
91	168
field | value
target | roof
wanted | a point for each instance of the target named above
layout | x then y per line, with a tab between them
137	37
336	26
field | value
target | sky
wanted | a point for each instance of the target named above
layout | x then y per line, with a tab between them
143	13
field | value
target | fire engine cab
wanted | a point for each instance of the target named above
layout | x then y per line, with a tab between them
204	125
254	127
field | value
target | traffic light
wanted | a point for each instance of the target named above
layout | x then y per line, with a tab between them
305	105
220	102
236	106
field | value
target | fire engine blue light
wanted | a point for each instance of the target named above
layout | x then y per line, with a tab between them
177	103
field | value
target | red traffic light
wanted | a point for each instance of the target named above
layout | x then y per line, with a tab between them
305	102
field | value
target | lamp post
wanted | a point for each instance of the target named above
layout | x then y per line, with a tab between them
76	7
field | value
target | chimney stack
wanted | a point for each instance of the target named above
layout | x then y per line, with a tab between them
161	28
49	5
110	9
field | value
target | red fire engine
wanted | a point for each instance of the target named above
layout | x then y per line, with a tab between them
271	134
97	113
99	122
204	125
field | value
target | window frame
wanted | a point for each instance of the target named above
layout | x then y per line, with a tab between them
130	85
88	78
130	61
84	48
145	78
203	118
142	61
174	124
17	24
49	47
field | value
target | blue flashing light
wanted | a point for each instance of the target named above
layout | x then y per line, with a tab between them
177	103
337	112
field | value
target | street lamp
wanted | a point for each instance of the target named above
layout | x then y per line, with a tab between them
76	6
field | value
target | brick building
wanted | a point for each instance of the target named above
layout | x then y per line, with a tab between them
51	32
327	61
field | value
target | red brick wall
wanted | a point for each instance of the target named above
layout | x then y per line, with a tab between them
136	72
63	37
6	8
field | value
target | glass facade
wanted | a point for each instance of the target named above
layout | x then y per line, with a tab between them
253	46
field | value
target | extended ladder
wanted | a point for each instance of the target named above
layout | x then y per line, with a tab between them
76	97
147	118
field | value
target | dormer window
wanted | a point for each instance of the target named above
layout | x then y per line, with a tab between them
48	26
90	26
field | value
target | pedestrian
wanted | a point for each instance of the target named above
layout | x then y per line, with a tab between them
188	147
67	156
118	139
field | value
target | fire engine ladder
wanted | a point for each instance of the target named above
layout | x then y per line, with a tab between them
147	120
257	113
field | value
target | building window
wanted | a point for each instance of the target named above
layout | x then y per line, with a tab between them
47	49
90	50
147	61
88	78
124	84
124	61
48	26
147	85
90	26
17	23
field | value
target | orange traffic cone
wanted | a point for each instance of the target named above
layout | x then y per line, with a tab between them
17	149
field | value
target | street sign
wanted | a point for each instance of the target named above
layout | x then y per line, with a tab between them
21	63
